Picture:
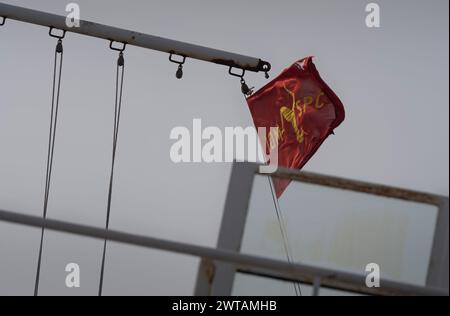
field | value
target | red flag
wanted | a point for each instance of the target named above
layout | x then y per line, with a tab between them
305	110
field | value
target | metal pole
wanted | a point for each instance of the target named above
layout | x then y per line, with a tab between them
316	286
111	33
295	271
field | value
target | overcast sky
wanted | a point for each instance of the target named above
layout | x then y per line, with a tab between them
393	82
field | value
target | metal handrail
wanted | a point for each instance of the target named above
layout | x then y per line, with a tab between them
254	264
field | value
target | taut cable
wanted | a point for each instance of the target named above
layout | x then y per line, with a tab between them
117	111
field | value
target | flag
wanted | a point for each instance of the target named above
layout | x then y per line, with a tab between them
305	110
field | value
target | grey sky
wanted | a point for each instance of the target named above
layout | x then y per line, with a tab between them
393	82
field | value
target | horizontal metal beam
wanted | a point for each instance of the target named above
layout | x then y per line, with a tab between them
242	262
388	288
359	186
135	38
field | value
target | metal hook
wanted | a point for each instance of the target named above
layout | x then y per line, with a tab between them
60	37
179	73
121	60
266	69
3	21
265	66
124	45
244	87
59	47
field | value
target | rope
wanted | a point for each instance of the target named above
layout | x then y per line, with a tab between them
51	148
281	222
298	292
117	110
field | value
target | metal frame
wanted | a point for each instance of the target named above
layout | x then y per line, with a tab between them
133	38
217	279
232	229
438	268
438	272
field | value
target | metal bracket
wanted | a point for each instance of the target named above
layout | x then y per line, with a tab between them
230	71
179	73
120	60
176	61
111	46
50	32
265	66
244	87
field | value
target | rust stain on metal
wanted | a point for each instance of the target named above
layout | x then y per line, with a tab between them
210	270
232	63
359	186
